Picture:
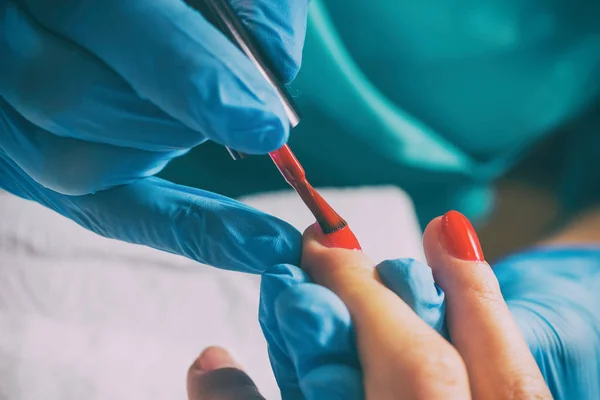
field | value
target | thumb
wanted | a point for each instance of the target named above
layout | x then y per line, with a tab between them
480	324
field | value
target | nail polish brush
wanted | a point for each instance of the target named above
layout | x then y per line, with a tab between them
223	17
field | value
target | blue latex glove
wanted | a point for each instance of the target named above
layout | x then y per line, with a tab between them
553	294
309	330
98	96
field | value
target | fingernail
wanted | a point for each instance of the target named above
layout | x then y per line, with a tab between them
459	238
340	239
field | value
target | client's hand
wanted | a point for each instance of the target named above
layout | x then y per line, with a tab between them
311	337
400	355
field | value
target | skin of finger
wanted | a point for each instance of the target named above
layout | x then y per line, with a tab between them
499	363
400	354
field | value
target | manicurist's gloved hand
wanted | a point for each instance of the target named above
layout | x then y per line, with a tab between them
98	96
355	337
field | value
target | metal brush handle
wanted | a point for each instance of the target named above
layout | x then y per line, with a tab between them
221	15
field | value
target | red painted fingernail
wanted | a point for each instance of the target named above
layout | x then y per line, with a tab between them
340	239
459	238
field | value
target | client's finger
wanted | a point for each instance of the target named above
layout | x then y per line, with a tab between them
216	376
499	363
400	354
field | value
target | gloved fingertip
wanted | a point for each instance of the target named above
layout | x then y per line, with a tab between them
413	281
263	138
285	272
274	136
410	279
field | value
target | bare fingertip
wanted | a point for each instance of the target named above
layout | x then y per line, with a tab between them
330	265
214	357
313	247
313	233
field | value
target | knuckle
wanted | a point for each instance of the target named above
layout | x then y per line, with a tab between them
66	178
445	365
189	218
448	362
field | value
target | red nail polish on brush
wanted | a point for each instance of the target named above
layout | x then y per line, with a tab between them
337	233
334	231
459	237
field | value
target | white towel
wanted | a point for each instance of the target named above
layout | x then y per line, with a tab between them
84	317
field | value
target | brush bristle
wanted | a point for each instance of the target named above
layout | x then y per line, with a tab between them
332	226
